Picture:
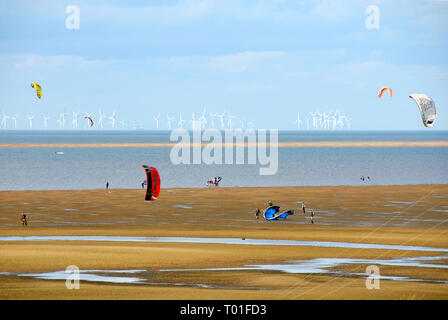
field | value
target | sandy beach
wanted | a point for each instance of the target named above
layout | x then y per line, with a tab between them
413	215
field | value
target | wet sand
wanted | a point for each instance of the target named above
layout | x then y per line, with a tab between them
414	215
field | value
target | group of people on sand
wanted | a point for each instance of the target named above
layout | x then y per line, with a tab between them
270	204
365	179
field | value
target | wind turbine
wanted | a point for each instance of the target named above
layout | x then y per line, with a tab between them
326	121
298	121
30	118
212	116
15	120
75	120
123	123
101	117
157	121
112	119
5	117
181	121
192	121
46	121
230	120
314	114
221	116
169	121
340	119
203	120
61	120
348	122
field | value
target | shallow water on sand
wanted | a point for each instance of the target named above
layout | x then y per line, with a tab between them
229	241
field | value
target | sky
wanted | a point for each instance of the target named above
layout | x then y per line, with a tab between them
261	61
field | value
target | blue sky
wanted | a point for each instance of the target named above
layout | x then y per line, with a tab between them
263	61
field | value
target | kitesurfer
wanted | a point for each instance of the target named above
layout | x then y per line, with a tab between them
23	219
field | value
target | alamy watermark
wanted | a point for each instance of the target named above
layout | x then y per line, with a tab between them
373	278
213	146
72	22
373	20
72	281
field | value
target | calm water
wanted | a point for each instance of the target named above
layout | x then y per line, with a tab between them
85	168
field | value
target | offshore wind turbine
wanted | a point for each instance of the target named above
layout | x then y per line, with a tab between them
181	121
212	116
298	121
203	120
30	118
101	117
169	119
348	122
314	114
221	116
112	120
75	119
46	121
15	120
61	120
157	120
4	118
229	123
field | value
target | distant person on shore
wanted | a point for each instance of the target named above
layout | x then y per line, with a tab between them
23	220
303	207
107	185
257	213
312	216
270	204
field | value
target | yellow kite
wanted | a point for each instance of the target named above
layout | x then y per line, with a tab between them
38	89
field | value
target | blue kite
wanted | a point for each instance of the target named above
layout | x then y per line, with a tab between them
273	213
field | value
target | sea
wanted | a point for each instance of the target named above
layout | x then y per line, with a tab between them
90	168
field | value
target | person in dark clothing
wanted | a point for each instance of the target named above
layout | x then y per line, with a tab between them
107	185
257	213
24	221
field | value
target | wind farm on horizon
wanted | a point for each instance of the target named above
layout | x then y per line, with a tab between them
225	120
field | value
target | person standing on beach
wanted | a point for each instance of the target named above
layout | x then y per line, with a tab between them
107	185
312	217
303	207
257	213
23	220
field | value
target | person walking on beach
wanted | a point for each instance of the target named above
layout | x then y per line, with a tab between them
107	185
23	220
312	216
303	207
257	213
